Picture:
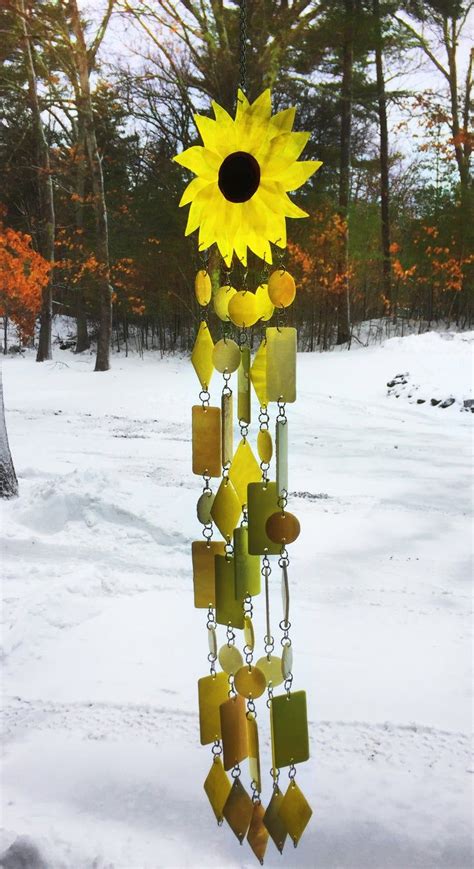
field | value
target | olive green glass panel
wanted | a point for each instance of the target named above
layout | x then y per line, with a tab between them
228	608
281	456
262	503
238	810
281	364
244	470
201	357
227	429
206	433
204	574
234	731
257	836
247	567
295	812
289	725
254	752
217	787
226	508
272	820
258	374
264	446
243	394
212	692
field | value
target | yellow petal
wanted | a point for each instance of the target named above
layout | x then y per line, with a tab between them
262	106
280	151
201	201
201	161
292	210
298	174
194	187
222	117
283	121
242	105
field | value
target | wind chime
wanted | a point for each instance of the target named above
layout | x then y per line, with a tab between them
239	200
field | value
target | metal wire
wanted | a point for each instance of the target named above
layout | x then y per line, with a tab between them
243	45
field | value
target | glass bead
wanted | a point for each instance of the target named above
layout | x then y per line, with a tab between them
270	665
226	356
221	302
281	364
230	659
282	527
249	633
287	661
243	309
281	288
202	287
212	641
264	446
264	303
244	470
203	507
206	440
289	727
201	356
250	682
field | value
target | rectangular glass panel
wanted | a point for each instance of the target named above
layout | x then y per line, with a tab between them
262	502
281	453
281	364
206	434
204	575
234	731
254	754
243	377
289	724
247	567
212	692
228	608
227	429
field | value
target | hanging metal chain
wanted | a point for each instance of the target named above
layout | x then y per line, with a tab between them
243	45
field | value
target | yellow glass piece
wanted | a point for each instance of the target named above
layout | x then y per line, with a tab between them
212	692
270	665
247	567
250	682
230	659
243	309
272	820
243	400
285	593
287	661
221	302
254	753
295	812
203	507
227	428
217	787
264	303
281	288
289	724
253	212
204	574
249	633
226	356
257	836
264	445
244	470
238	810
282	527
228	608
281	364
226	508
281	455
234	730
206	437
258	374
262	502
212	641
202	287
201	357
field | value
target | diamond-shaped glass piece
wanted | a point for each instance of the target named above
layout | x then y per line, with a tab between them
244	470
273	821
258	374
226	508
201	357
295	812
257	836
217	787
238	810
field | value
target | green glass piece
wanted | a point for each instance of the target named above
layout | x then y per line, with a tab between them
217	787
281	364
227	429
226	356
244	470
287	661
230	659
243	395
264	446
249	633
295	812
261	504
234	731
226	508
238	810
254	753
212	692
270	665
258	374
206	438
201	357
228	609
203	507
247	567
272	820
289	724
281	455
212	641
204	575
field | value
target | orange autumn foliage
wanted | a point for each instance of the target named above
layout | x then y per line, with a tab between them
23	274
317	265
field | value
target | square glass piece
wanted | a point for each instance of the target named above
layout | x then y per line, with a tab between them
281	364
234	731
201	357
262	503
212	692
244	470
217	787
229	610
226	508
206	436
204	571
295	812
238	810
289	726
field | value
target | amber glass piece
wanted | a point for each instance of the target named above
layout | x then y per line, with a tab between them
226	508
243	309
230	659
287	661
281	364
201	357
250	682
272	820
247	567
221	302
243	395
257	836
295	812
258	374
227	429
238	810
217	787
212	691
244	470
249	633
203	507
281	288
270	665
262	502
206	436
264	445
282	527
204	573
226	355
254	753
289	724
202	287
281	454
234	730
264	303
228	609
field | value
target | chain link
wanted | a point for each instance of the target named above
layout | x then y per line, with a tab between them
205	397
243	45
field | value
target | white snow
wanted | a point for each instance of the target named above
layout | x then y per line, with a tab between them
102	765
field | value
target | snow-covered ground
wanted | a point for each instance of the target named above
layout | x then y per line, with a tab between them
102	765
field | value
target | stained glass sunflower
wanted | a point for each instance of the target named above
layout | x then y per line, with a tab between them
244	170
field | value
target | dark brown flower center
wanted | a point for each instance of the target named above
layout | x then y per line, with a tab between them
239	177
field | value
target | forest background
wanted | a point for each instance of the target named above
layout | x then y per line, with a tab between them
96	98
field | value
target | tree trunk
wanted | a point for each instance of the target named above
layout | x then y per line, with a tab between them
82	339
45	189
343	306
8	480
384	176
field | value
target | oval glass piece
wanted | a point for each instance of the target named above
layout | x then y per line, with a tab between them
212	641
221	302
264	303
226	355
264	445
250	682
230	659
282	528
287	661
202	287
281	288
270	665
243	309
203	507
249	633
